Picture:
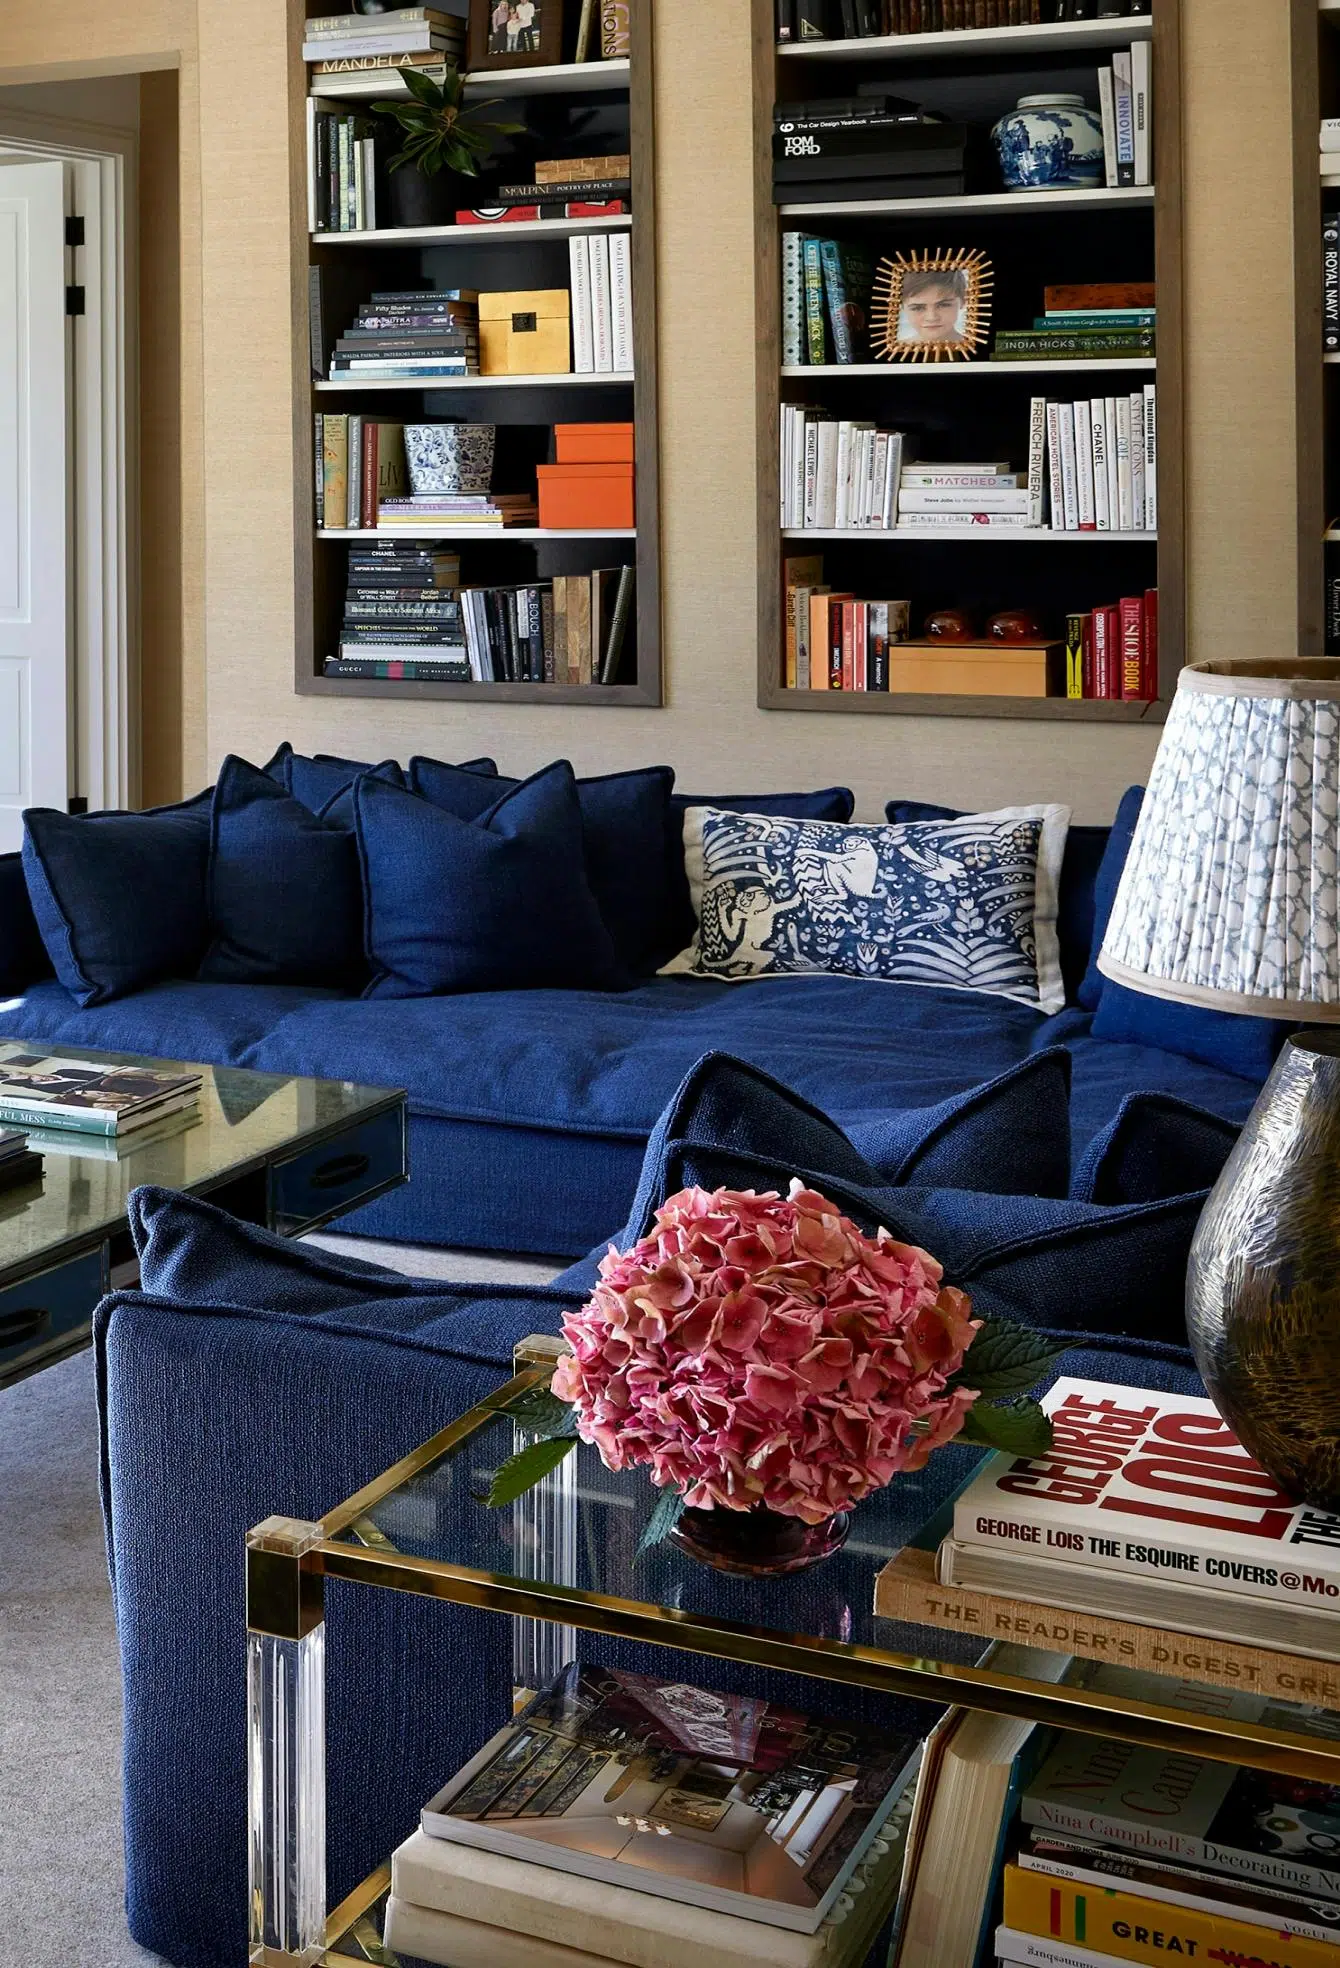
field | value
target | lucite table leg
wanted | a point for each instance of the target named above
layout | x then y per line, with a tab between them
546	1544
286	1746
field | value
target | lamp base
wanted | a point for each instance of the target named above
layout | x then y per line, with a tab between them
1263	1283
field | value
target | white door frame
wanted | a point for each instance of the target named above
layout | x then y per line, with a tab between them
105	747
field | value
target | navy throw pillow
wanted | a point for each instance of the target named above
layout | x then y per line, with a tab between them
1154	1147
626	827
1108	882
23	955
285	894
1010	1136
493	904
119	898
318	780
832	803
1084	851
1248	1047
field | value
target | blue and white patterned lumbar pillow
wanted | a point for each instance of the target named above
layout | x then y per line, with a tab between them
969	904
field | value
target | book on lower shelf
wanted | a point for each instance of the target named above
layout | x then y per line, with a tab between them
1112	652
52	1091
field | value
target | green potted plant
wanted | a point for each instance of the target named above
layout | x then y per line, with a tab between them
442	139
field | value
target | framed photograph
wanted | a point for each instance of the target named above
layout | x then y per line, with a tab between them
932	307
515	33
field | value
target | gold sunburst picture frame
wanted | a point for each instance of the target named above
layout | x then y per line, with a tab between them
932	307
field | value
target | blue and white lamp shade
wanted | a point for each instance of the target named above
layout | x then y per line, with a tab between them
1230	896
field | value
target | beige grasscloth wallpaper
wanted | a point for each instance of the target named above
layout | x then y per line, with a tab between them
241	270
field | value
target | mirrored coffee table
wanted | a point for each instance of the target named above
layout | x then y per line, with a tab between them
562	1560
288	1154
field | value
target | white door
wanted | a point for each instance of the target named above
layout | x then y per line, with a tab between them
35	610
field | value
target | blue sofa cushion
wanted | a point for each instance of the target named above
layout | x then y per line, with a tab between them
119	898
497	903
626	827
1248	1047
829	803
1154	1147
1009	1137
1084	850
1108	881
23	954
317	780
285	895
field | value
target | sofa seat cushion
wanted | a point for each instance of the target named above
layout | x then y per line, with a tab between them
530	1110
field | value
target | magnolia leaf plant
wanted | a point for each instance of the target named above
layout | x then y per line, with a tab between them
439	132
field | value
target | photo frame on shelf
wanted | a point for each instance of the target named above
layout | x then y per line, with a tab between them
515	33
932	306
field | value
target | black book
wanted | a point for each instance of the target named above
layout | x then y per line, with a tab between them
850	191
847	9
841	109
415	669
1330	282
874	140
617	637
811	20
868	18
595	191
786	20
425	344
383	595
420	296
415	612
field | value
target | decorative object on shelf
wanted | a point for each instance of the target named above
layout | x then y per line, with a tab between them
1014	625
442	135
515	33
1050	143
762	1356
950	625
1229	902
450	458
526	334
932	307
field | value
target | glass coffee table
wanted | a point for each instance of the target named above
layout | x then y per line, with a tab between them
562	1561
288	1154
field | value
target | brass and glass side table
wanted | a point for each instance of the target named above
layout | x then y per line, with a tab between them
562	1561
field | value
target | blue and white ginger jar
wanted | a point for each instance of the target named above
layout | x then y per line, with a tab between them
1050	143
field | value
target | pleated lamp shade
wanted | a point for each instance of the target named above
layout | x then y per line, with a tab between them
1229	897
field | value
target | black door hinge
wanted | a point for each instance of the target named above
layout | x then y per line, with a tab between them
74	232
74	300
77	805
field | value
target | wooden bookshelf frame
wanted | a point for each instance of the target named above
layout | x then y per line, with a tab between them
1087	37
313	601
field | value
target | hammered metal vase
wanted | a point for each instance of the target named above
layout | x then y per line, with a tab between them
1263	1284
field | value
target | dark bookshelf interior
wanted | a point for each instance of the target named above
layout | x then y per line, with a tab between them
956	417
1328	77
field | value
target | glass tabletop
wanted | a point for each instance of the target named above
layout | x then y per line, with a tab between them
567	1554
243	1121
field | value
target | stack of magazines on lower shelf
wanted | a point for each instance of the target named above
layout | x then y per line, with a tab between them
623	1820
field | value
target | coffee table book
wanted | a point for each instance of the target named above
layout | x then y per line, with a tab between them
51	1090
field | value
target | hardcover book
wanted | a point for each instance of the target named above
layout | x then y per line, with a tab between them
722	1801
54	1091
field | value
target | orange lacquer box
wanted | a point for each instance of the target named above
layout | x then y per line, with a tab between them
594	444
586	496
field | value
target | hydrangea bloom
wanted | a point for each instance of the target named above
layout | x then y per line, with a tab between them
761	1350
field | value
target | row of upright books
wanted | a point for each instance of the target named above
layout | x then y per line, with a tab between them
848	20
1092	467
1112	652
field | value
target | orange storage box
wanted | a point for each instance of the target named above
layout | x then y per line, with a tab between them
587	496
594	444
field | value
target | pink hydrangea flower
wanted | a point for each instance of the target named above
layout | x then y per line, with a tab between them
756	1349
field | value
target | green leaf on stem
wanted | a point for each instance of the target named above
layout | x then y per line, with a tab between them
543	1413
666	1513
1018	1427
526	1468
1006	1359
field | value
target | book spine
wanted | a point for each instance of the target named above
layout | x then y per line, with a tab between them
1125	482
793	300
1124	107
786	20
826	488
319	448
1132	647
24	1114
1074	656
1122	1924
369	477
814	303
583	326
1084	468
602	322
335	468
1137	408
621	300
835	614
314	122
1149	683
1330	282
1110	441
1108	110
1055	504
835	287
877	673
811	20
1069	470
1151	459
811	471
1037	460
1102	517
614	30
842	513
1142	89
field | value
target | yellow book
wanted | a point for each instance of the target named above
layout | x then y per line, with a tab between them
1129	1928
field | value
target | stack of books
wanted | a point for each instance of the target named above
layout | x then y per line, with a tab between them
48	1091
342	195
1095	323
621	1819
839	474
359	462
967	494
574	629
826	288
402	615
1113	652
379	44
411	334
601	278
1102	463
847	148
486	512
1126	100
562	188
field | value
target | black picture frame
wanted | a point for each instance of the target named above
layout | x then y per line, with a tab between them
515	33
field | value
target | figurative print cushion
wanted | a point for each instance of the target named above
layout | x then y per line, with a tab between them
969	904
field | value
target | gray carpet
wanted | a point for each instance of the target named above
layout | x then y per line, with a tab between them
61	1878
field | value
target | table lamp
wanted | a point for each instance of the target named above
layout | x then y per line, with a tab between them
1230	900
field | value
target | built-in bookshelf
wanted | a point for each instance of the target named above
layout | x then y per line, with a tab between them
979	408
608	106
1316	90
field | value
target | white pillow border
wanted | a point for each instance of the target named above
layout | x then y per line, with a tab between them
1046	898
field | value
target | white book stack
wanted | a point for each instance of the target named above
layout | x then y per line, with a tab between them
838	475
1126	105
1330	147
402	31
601	280
978	495
1102	463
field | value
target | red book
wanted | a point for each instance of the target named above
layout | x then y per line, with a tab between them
860	634
1132	646
1107	653
1090	684
835	615
1151	685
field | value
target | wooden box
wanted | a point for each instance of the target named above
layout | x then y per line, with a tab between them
978	669
527	333
586	496
594	444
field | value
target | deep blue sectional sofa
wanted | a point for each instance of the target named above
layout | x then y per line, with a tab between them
248	1378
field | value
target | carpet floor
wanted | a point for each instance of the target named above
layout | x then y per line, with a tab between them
61	1877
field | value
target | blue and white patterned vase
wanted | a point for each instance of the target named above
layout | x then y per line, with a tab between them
450	459
1050	143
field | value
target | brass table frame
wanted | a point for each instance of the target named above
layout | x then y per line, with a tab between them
288	1563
